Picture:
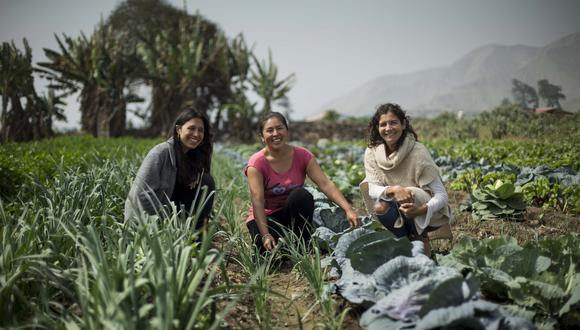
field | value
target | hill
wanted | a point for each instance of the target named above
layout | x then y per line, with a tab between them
478	81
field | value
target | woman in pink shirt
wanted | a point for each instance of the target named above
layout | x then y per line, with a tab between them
276	177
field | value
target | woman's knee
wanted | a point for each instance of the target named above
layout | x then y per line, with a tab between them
389	218
208	181
301	196
301	193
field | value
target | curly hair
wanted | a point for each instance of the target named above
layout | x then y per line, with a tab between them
197	160
374	138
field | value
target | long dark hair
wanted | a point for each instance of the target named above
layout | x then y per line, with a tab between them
269	115
373	135
190	164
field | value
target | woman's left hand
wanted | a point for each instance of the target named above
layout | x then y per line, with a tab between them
353	219
411	211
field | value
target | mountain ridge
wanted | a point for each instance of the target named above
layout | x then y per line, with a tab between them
475	82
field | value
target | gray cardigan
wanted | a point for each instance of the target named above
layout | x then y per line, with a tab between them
153	186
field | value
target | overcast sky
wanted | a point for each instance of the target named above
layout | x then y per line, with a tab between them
331	46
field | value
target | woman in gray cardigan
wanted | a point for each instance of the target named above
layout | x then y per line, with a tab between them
177	171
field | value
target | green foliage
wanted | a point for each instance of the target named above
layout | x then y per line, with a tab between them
571	196
23	164
539	277
550	93
24	115
307	258
472	179
512	152
544	194
67	258
342	162
370	251
506	121
247	150
445	125
502	200
524	95
331	116
266	83
540	193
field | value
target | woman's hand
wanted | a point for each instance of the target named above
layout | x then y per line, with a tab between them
353	219
411	211
328	187
268	242
401	194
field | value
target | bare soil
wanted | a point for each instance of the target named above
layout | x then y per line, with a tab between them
537	223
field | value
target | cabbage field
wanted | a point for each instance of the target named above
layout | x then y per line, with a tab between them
68	260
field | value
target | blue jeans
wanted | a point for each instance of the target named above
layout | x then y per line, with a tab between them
408	229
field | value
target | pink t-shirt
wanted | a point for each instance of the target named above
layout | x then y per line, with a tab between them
277	186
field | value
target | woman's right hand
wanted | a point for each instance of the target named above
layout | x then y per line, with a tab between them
401	194
268	242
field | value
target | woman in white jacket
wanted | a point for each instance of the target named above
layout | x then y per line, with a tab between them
403	178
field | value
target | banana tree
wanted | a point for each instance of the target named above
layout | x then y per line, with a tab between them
265	82
16	83
186	68
47	108
239	110
100	69
240	120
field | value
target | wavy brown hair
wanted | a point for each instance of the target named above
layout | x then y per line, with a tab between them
374	138
197	160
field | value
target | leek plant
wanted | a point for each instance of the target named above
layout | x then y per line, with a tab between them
68	259
229	198
306	258
237	245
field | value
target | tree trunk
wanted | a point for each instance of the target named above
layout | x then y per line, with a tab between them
18	128
89	109
112	114
167	103
102	115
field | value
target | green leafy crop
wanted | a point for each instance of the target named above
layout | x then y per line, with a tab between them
502	200
542	277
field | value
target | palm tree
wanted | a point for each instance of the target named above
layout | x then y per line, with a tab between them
16	83
265	82
186	59
46	108
241	119
188	67
70	71
100	69
235	71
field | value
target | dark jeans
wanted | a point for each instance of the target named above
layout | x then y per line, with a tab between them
408	229
296	215
206	180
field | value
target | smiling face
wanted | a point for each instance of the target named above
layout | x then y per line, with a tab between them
191	133
274	133
391	129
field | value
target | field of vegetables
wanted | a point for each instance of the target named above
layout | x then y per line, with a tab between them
67	259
